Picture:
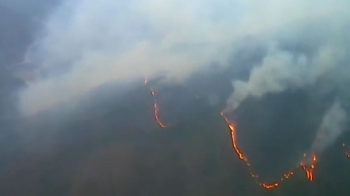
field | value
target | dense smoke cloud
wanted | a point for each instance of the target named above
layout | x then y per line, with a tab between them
99	143
297	57
86	44
307	53
333	124
281	70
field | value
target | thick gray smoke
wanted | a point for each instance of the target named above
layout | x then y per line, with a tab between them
333	124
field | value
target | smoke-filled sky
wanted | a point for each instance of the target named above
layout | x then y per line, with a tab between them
85	44
77	120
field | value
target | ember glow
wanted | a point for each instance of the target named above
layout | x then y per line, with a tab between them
155	105
231	126
309	169
270	186
241	156
287	175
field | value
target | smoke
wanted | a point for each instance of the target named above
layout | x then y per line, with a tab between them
312	55
280	71
86	44
297	56
333	124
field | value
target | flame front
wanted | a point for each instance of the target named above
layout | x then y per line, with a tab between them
241	156
309	171
155	106
156	110
307	168
233	139
270	186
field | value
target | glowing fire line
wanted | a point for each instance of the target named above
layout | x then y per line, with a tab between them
308	170
233	139
155	105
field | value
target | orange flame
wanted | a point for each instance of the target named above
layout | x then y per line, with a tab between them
233	139
155	105
156	110
270	186
288	175
309	171
241	156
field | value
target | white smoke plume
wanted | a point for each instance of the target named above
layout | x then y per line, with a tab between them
280	71
85	44
332	126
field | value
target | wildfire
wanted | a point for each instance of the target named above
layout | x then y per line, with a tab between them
241	156
233	139
307	168
309	171
155	105
288	175
270	186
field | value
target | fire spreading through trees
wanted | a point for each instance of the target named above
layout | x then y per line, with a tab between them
308	166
